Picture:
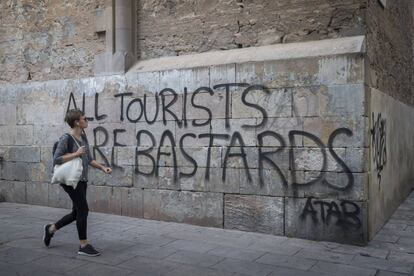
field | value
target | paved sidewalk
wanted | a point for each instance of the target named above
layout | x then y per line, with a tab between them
143	247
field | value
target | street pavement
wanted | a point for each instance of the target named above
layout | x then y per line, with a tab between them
132	246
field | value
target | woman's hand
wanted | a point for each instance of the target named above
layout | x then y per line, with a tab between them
107	170
81	151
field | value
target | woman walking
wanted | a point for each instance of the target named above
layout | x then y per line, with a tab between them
73	145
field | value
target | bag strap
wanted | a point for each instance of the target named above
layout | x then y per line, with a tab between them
75	140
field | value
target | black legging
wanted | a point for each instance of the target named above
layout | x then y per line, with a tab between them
79	210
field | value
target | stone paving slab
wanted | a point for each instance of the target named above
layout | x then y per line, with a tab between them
132	246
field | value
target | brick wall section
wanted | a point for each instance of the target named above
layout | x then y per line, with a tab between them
43	40
390	48
168	28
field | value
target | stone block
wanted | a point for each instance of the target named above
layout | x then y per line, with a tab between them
172	79
271	183
7	135
47	135
357	159
338	101
24	154
326	219
37	193
205	209
166	180
197	182
190	141
312	159
124	156
8	116
215	103
254	213
200	156
145	181
222	74
249	136
38	172
308	101
274	102
58	198
17	171
353	186
323	128
120	177
341	70
280	73
13	191
132	202
105	199
144	83
214	182
24	135
156	129
35	113
190	78
232	182
46	159
281	127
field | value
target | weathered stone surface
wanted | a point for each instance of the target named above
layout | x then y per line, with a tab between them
254	213
388	33
218	126
132	202
40	51
47	135
323	127
340	220
8	116
270	183
204	209
104	199
329	100
275	102
13	191
156	129
7	135
17	171
37	193
24	135
239	25
23	154
36	113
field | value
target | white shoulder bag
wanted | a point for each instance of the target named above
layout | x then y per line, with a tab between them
68	173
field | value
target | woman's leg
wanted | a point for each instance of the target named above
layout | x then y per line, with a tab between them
82	211
69	218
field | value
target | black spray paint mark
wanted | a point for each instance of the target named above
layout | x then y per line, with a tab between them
379	143
346	213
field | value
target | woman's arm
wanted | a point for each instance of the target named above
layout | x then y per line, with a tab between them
96	165
62	155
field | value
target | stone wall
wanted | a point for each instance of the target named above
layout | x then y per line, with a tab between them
43	40
170	28
390	48
276	145
391	162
